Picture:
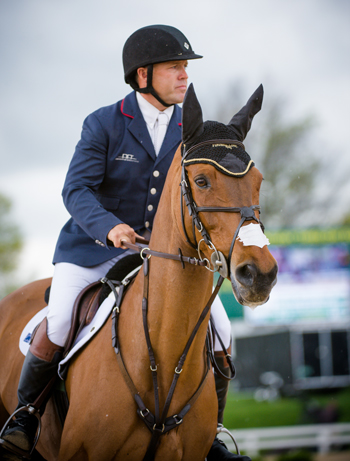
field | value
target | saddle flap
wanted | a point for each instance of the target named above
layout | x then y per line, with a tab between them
84	310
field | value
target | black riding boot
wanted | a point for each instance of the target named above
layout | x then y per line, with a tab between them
219	451
39	367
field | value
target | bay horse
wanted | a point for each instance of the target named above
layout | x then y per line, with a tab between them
198	222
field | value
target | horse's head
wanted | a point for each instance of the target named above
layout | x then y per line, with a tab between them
221	186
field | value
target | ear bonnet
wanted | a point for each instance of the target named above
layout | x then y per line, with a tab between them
227	154
215	143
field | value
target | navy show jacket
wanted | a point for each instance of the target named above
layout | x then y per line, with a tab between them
114	177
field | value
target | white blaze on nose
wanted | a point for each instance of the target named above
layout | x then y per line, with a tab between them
252	235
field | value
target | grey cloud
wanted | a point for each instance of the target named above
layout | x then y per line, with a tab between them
62	60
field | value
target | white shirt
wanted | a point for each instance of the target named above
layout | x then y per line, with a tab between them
150	115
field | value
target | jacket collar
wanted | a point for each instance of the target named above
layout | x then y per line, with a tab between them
137	127
150	113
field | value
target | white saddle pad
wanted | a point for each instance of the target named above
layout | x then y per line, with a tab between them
28	330
84	336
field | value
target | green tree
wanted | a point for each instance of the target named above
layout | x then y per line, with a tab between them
10	246
282	150
289	168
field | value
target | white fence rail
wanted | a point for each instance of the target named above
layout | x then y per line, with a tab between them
321	436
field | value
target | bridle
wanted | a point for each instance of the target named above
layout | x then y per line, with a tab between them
160	423
218	260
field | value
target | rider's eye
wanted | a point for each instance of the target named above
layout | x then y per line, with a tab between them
201	182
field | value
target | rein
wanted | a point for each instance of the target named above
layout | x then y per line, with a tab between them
141	247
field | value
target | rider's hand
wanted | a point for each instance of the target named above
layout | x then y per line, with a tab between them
122	232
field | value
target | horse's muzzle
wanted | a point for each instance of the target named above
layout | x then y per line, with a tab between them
250	285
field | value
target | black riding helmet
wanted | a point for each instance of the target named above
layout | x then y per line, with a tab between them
151	45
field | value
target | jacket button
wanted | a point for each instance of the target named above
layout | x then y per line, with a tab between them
100	243
156	173
146	224
153	191
150	207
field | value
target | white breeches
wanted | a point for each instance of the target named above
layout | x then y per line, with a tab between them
69	280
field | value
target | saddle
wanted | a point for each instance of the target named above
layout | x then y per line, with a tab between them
93	295
84	310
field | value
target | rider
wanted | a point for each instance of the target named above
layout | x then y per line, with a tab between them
112	190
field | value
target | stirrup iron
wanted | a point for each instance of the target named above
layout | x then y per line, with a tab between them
223	429
13	448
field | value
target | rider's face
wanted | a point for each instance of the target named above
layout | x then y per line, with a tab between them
170	81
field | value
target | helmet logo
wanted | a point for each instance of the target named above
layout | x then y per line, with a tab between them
186	45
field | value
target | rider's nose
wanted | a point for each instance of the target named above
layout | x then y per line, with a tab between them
183	74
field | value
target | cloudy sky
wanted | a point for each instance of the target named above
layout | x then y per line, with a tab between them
60	60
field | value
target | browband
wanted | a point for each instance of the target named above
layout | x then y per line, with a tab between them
234	142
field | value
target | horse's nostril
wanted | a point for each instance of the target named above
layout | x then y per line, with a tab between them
246	274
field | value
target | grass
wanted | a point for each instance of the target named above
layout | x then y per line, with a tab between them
242	411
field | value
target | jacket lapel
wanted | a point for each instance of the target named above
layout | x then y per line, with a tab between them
137	126
173	135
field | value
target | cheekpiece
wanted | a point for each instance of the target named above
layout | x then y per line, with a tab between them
218	146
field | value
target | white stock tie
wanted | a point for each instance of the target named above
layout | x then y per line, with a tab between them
162	125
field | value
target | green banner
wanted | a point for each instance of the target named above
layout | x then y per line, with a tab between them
309	236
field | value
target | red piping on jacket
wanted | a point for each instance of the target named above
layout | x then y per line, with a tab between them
121	109
127	115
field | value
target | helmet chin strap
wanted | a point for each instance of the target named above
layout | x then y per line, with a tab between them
149	88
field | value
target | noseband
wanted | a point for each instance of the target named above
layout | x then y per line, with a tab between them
218	259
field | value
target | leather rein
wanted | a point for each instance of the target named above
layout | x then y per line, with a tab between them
160	423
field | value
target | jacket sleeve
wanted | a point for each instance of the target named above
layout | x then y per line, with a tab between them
85	174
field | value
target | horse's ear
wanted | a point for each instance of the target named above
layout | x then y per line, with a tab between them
242	121
192	117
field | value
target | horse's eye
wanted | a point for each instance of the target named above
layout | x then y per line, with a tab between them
201	182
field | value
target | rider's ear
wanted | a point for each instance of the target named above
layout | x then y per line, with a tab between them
192	117
242	121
